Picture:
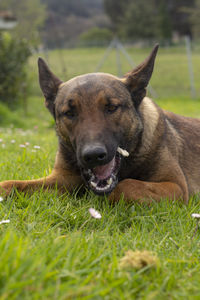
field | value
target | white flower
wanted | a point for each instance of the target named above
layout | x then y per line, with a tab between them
22	146
27	143
196	216
1	140
36	147
94	213
3	146
12	141
4	221
1	199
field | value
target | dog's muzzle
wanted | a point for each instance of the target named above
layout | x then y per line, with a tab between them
100	174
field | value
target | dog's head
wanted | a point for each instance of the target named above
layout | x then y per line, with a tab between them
95	114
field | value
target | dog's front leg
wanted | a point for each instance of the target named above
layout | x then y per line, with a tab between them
62	179
143	191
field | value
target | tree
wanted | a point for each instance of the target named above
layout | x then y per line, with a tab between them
133	19
68	19
178	15
14	54
67	7
164	20
149	18
140	20
30	17
116	11
194	17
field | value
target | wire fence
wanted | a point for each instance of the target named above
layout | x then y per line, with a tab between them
176	73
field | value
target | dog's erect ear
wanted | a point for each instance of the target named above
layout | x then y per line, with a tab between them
49	84
138	79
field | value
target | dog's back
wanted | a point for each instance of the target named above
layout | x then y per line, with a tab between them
176	140
186	132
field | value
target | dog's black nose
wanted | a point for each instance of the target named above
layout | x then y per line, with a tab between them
93	155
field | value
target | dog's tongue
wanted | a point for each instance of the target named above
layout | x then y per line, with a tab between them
105	171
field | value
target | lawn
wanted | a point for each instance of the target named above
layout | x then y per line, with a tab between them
170	77
52	248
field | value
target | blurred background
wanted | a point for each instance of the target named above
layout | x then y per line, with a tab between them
81	36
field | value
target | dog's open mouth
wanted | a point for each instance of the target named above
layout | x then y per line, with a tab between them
103	179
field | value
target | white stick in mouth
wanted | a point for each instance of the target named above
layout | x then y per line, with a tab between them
123	152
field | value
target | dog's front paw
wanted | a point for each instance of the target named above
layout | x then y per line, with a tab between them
121	190
6	188
129	189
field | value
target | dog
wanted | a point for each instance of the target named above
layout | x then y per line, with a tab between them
115	141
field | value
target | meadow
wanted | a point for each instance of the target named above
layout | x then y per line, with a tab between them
52	248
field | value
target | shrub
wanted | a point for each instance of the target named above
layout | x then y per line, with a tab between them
13	78
8	117
96	36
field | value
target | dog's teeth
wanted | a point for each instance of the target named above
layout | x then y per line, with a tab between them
109	181
93	184
123	152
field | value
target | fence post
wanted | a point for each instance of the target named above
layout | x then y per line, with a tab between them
190	66
118	61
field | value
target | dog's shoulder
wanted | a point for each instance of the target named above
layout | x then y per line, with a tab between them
150	113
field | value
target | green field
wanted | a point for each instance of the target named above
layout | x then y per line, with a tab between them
170	79
52	248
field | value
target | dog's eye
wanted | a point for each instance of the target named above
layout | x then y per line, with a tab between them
70	114
111	108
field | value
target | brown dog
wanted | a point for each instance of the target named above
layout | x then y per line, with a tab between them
95	114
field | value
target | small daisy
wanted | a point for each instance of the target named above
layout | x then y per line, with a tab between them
196	216
94	213
4	221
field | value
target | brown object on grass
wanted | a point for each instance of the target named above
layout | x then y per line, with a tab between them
138	259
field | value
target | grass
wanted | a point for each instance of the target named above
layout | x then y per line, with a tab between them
53	249
170	80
